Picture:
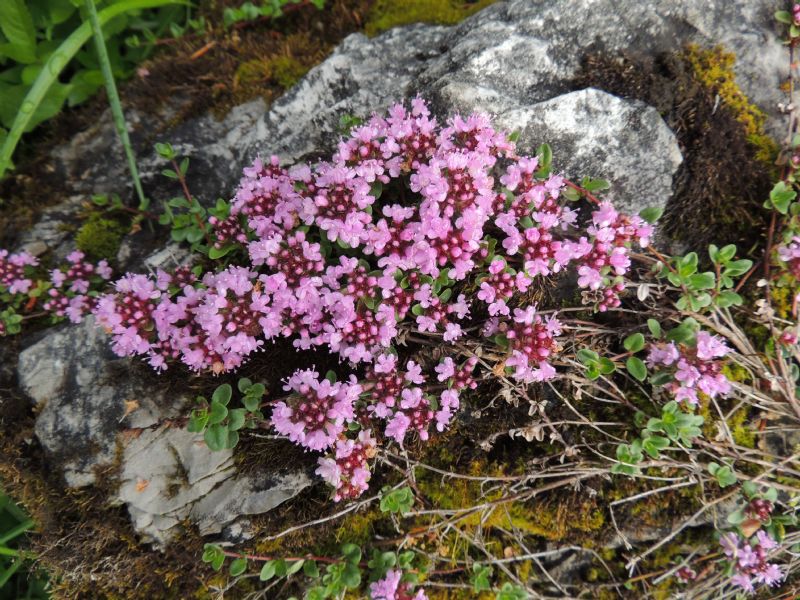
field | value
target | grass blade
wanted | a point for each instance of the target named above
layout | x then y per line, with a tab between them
113	99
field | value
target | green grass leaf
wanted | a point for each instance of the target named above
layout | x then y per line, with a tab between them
17	25
55	64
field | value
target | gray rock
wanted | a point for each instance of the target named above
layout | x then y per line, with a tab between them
94	161
599	135
526	51
81	389
362	76
169	475
50	233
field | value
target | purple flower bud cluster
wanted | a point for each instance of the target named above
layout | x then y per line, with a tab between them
347	471
749	559
12	271
694	369
69	295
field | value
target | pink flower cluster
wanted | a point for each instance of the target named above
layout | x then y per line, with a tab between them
391	588
71	291
789	253
386	239
696	369
317	413
12	271
749	560
341	253
347	471
315	416
70	295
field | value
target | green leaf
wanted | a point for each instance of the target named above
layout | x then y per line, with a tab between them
783	16
480	577
351	553
267	571
606	366
526	222
17	25
661	378
571	194
726	253
232	439
636	368
687	265
545	156
595	185
238	566
198	421
294	567
728	298
216	437
215	253
236	419
736	517
217	414
703	281
586	356
738	267
651	214
749	489
683	333
781	196
56	63
400	500
331	376
634	343
351	576
654	327
510	591
251	403
244	384
310	569
223	394
654	444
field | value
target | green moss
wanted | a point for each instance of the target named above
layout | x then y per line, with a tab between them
358	528
100	238
714	69
255	76
386	14
287	70
554	520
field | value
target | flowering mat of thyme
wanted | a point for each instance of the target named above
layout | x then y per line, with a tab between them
472	300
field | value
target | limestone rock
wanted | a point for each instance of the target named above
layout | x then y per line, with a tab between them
599	135
81	389
527	51
169	475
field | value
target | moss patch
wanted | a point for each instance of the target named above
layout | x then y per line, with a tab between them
714	69
386	14
99	237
